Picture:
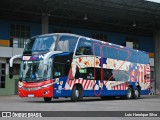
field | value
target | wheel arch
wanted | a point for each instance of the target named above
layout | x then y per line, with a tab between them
131	86
78	85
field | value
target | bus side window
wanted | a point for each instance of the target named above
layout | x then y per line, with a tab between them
84	47
108	74
123	75
85	73
123	55
146	61
81	73
105	52
113	53
142	58
133	57
97	51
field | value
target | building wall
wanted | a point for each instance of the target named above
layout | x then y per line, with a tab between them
145	43
4	29
11	85
116	38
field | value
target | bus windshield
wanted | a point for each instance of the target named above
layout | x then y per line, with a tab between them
43	43
33	71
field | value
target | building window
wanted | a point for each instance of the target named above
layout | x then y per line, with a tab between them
62	31
2	75
132	42
20	35
99	36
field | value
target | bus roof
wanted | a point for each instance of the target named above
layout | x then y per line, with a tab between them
108	43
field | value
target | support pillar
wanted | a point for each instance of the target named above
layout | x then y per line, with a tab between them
157	61
45	23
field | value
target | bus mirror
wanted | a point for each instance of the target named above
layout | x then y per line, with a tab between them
12	58
45	62
10	76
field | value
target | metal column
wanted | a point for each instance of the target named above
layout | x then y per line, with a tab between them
45	23
157	60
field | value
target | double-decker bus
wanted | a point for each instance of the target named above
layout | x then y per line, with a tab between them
68	65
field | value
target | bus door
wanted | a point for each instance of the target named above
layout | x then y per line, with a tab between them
60	70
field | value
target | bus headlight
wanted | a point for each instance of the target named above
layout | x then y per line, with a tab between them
20	84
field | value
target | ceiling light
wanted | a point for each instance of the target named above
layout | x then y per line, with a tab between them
85	17
134	24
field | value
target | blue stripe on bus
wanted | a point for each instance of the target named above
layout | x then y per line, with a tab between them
91	93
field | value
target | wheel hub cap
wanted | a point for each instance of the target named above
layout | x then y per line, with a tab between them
77	93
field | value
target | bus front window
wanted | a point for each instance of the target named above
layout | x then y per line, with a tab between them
66	43
33	71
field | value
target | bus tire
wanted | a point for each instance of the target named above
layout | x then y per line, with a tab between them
47	99
136	93
76	94
81	93
139	89
129	93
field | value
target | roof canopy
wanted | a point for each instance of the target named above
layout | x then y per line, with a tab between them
126	16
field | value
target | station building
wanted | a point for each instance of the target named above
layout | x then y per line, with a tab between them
126	23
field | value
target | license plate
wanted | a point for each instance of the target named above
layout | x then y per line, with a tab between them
31	95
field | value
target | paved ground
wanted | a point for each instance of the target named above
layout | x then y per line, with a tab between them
145	103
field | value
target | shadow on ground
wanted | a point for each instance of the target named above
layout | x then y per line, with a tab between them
88	99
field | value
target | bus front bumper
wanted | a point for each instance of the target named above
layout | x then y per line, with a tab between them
41	89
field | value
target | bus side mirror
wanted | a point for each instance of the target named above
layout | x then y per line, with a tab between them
12	58
10	76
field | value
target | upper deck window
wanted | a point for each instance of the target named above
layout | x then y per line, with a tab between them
84	47
66	43
41	43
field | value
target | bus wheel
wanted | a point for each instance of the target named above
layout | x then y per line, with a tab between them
76	94
129	93
139	90
136	93
47	99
